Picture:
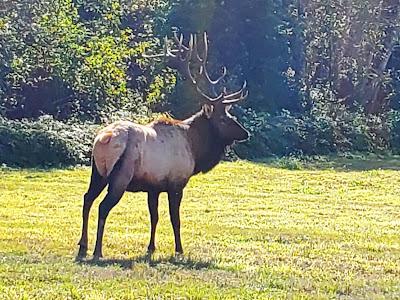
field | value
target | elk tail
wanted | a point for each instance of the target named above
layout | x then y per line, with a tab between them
105	137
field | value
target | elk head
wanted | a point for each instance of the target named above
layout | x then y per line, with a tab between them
192	64
217	111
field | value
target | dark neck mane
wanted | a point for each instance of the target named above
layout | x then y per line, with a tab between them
207	147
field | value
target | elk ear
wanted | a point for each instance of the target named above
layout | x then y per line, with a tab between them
228	107
208	110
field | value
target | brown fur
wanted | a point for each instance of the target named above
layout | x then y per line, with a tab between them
167	121
206	146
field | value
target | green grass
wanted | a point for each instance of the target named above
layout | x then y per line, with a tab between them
324	230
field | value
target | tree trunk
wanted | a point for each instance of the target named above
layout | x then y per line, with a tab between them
376	95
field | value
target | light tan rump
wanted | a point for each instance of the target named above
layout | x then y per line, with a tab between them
108	147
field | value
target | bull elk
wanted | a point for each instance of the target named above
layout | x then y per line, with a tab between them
163	155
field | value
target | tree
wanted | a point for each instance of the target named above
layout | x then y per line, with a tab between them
255	40
66	57
348	47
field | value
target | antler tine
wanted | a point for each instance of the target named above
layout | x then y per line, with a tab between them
235	94
187	58
167	49
167	52
203	68
196	52
205	40
203	60
181	49
210	99
233	97
180	40
216	81
242	97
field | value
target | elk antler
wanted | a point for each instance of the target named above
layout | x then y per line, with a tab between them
187	57
226	98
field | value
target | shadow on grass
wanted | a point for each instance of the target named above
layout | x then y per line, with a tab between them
178	260
344	164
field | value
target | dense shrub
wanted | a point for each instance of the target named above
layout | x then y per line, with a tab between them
288	134
45	142
282	134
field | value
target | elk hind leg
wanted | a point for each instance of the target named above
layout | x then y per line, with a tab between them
96	186
119	179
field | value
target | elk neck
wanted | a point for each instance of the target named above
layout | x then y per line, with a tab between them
207	147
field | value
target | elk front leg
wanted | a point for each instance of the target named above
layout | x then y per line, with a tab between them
96	186
152	200
174	199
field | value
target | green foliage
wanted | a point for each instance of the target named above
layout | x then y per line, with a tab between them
320	73
255	40
346	77
44	142
317	71
78	58
287	134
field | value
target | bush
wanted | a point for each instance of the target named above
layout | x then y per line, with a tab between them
45	143
286	134
279	135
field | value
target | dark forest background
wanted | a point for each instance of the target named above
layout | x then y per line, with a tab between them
323	76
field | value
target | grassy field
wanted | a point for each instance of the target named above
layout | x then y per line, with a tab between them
281	230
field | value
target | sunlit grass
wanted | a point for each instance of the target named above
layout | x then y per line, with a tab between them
248	230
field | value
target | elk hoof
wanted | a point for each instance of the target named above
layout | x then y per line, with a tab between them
96	257
151	250
178	256
81	253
